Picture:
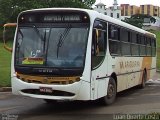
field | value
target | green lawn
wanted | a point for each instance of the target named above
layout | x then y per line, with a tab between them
5	58
158	47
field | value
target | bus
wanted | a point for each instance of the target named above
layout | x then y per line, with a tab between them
79	54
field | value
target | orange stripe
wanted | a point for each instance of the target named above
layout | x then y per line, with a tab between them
146	63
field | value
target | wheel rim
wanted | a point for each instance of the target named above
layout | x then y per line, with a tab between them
111	91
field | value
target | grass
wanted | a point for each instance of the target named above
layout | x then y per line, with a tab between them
158	47
5	61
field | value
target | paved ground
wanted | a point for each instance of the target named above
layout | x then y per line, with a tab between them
156	76
132	101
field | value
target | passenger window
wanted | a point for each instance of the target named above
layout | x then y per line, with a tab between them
125	42
113	32
153	43
134	37
99	43
114	40
149	49
143	46
135	45
124	35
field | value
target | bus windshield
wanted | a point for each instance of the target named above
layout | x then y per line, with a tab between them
62	45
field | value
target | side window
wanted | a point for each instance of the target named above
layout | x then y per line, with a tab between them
148	43
99	43
143	46
114	39
153	43
113	32
125	42
135	44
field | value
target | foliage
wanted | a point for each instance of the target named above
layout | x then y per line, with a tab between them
89	3
143	16
134	22
9	9
138	20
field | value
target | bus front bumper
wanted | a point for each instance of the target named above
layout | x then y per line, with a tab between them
78	90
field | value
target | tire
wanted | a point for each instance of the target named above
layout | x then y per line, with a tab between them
111	93
144	79
48	101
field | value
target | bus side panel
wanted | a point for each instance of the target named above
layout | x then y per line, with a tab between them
153	66
99	82
148	63
123	68
84	91
114	67
102	87
130	71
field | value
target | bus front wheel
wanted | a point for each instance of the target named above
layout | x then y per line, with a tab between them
111	93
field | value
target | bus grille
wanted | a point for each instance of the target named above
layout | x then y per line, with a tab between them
54	93
48	80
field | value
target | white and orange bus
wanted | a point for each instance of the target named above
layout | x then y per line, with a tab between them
79	54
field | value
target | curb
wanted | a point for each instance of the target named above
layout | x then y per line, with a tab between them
5	89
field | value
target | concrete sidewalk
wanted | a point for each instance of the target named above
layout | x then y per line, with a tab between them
5	89
156	76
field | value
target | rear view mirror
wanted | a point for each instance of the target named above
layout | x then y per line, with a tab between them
5	33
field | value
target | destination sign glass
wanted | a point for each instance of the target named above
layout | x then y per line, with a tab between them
61	18
53	17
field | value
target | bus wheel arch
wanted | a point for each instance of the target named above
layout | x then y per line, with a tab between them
111	91
143	79
114	76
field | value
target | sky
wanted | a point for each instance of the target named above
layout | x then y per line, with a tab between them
131	2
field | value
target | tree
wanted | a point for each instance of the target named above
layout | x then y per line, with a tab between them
89	3
143	16
9	9
138	19
134	22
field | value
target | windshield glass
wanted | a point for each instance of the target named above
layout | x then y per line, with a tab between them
56	46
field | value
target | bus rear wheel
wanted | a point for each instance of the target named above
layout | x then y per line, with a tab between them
111	93
144	79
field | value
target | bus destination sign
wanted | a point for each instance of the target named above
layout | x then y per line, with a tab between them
62	18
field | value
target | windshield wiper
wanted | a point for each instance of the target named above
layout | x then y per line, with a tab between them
38	33
44	39
20	39
62	38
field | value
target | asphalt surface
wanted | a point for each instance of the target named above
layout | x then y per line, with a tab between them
132	101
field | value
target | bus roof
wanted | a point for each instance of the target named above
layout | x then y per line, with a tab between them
94	14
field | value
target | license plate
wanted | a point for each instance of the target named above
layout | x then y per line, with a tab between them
45	90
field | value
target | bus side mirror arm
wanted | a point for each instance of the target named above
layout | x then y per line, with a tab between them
4	35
